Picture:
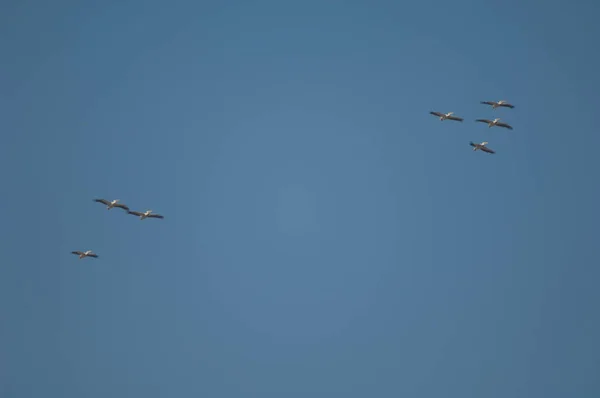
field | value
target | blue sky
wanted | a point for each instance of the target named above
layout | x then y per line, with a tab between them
324	235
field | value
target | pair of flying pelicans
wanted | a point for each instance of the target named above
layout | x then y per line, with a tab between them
491	123
111	205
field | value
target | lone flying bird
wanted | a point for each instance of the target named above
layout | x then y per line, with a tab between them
146	214
481	146
499	104
444	116
85	254
495	122
110	205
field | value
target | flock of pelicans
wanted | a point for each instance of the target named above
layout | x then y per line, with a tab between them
443	116
111	205
491	123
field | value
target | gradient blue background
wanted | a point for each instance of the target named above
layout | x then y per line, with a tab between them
324	235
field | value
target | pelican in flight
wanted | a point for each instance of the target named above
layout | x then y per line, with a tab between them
481	146
495	122
85	254
146	214
444	116
110	205
498	104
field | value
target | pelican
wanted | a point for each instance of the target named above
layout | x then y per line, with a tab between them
498	104
495	122
85	254
444	116
146	214
481	146
110	205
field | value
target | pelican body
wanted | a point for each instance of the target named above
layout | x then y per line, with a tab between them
448	116
146	214
85	254
482	146
498	104
495	122
112	204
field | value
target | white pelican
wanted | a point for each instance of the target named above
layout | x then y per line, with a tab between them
444	116
495	122
481	146
146	214
85	254
110	205
498	104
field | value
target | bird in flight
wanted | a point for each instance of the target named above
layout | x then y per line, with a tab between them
498	104
481	146
85	254
146	214
112	204
444	116
495	122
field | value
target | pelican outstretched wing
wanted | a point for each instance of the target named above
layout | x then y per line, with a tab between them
155	216
77	252
486	149
93	255
122	206
103	201
487	102
507	105
458	119
483	120
135	213
507	126
438	114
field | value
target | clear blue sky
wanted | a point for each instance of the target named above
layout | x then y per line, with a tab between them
324	235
